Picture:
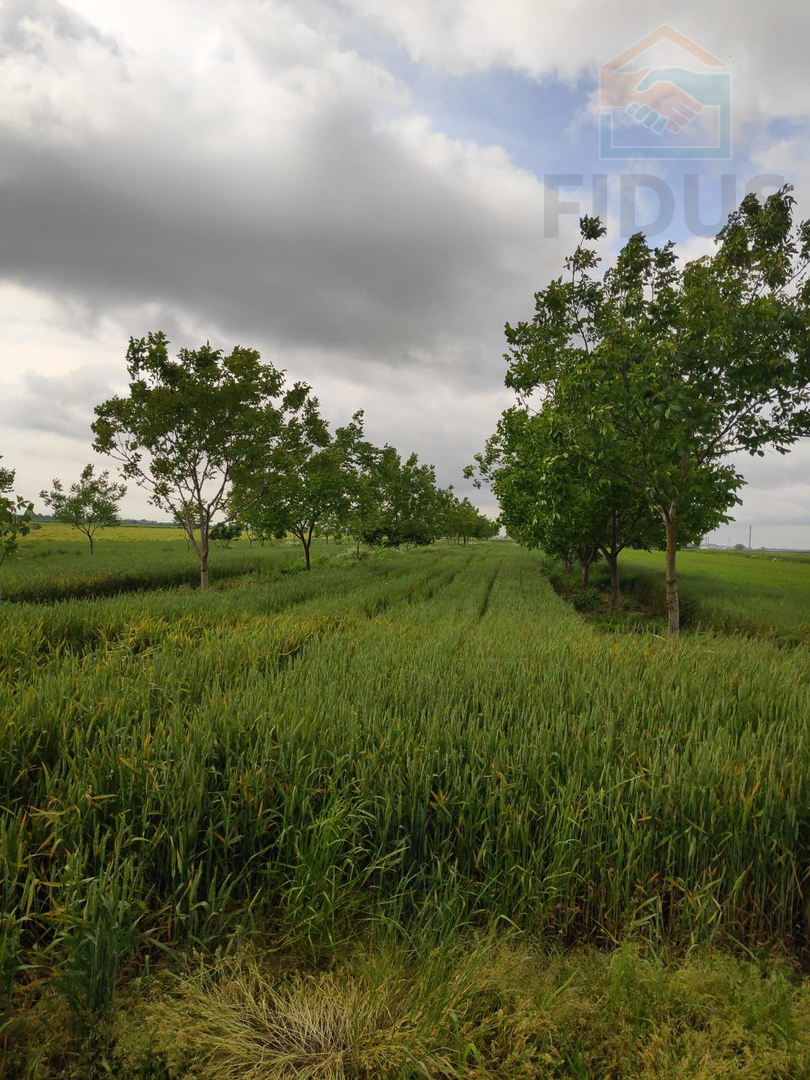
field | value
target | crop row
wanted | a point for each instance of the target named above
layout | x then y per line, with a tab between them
437	735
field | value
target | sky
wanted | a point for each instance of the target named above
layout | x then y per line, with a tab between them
366	191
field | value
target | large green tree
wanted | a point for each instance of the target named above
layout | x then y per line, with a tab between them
365	492
571	506
665	370
192	430
89	505
16	518
408	504
308	479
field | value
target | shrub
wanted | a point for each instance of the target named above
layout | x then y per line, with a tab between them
586	599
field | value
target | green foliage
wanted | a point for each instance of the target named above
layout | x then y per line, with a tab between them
90	504
213	434
570	507
308	478
191	429
654	374
408	502
6	480
224	533
16	518
586	599
414	512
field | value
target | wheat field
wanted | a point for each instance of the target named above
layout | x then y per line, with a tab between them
408	746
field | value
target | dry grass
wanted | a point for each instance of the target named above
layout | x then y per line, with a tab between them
463	1012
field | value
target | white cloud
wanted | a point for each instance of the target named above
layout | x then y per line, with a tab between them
246	171
765	45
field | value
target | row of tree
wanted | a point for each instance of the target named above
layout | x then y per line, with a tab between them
635	385
224	447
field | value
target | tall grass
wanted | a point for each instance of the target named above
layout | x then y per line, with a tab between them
54	563
434	739
755	593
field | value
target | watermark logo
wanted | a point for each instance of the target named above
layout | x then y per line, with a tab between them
665	97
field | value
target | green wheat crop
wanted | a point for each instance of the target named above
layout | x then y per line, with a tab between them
433	737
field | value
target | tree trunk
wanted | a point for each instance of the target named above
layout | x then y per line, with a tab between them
673	605
203	553
585	557
615	593
612	559
92	546
306	544
566	564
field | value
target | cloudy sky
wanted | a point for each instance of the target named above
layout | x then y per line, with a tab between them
366	190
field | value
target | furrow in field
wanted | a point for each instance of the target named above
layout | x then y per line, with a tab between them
314	765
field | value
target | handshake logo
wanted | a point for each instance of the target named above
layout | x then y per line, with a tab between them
665	97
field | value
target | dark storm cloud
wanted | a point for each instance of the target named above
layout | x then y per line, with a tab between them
313	225
58	404
364	278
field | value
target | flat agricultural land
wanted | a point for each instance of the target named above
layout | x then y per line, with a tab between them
405	816
54	562
763	593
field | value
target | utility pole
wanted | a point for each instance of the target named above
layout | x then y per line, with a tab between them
749	537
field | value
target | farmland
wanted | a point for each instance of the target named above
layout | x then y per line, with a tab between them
54	563
763	594
420	737
418	777
760	593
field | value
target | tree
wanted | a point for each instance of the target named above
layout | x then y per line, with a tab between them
250	532
665	371
90	504
224	533
6	480
571	507
409	506
191	429
363	515
459	521
16	518
307	479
